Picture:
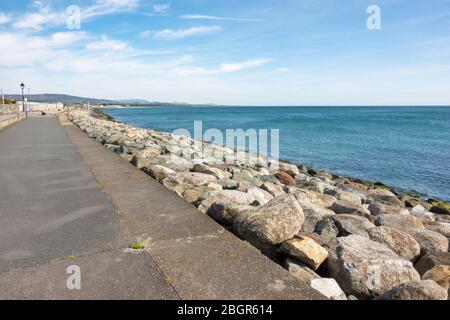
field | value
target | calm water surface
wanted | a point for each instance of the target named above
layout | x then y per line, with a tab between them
406	147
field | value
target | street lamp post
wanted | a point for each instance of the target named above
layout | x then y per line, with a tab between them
22	86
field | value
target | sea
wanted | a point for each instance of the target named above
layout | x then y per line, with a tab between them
403	147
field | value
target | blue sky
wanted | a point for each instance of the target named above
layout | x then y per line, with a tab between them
265	52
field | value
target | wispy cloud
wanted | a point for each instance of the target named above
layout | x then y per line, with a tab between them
107	44
172	34
282	70
4	18
207	17
222	68
46	16
161	8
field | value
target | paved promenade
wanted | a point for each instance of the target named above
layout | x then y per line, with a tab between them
65	200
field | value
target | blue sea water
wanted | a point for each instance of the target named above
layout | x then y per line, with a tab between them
406	147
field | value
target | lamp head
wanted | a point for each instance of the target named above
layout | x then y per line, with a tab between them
22	85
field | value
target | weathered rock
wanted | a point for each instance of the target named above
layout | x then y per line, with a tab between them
219	174
290	169
432	259
285	178
422	214
271	224
274	189
271	179
428	240
366	268
398	241
384	196
442	218
312	211
439	227
322	200
224	205
377	209
244	176
349	224
228	184
440	210
159	173
314	184
346	196
416	290
305	250
193	195
182	181
344	207
399	221
262	196
142	158
329	288
300	270
440	274
327	230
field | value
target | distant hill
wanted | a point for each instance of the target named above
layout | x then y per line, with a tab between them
64	98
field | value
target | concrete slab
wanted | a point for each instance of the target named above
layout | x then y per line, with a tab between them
110	275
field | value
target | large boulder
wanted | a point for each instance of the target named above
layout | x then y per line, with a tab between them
305	250
143	158
300	270
348	224
345	207
159	173
328	287
327	230
366	268
224	205
399	221
432	259
422	214
428	240
291	169
323	200
203	168
377	209
346	196
439	227
416	290
274	189
271	224
262	196
384	196
398	241
440	274
285	178
182	181
313	212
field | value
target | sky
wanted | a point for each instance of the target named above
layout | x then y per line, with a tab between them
252	52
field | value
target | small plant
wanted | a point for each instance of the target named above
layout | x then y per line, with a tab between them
441	204
137	246
379	185
71	258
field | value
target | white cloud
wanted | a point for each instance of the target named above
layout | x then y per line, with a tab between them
161	8
282	70
171	34
4	18
107	44
45	16
207	17
222	68
106	7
